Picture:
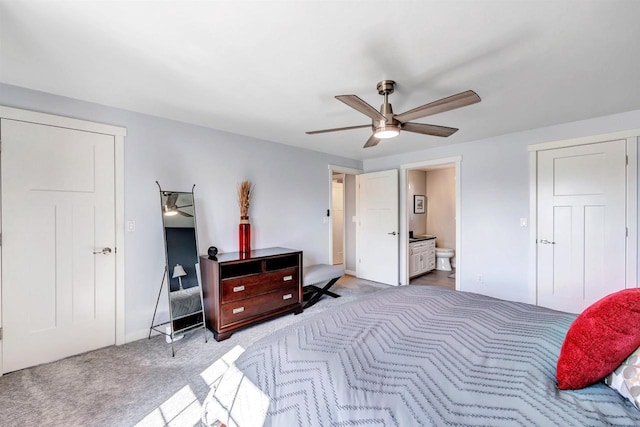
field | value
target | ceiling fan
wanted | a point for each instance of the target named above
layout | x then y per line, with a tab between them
386	124
170	208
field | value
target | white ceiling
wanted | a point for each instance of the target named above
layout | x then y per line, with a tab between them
270	69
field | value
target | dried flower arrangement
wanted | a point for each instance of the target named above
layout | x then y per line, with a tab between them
245	191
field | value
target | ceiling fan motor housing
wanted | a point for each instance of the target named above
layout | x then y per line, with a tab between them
386	128
390	127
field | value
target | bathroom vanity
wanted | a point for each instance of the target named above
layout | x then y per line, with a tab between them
422	254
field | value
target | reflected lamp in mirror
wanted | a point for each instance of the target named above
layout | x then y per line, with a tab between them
178	271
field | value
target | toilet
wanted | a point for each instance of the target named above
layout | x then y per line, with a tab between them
443	255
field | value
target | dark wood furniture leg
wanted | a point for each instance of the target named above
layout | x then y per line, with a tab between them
314	293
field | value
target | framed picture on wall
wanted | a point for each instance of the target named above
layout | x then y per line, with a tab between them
419	203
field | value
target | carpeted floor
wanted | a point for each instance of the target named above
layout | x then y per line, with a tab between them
138	383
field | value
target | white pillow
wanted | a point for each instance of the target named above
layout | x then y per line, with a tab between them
626	378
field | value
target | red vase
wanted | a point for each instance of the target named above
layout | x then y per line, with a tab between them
244	235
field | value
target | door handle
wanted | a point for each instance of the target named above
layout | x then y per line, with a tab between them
104	251
393	233
546	242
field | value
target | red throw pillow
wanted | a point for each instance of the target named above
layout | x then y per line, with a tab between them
599	340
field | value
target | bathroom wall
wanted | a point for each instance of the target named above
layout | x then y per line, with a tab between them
417	185
441	206
349	225
337	212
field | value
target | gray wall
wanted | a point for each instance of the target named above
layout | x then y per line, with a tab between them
494	180
291	194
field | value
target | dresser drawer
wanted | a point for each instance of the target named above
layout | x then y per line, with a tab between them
243	309
238	288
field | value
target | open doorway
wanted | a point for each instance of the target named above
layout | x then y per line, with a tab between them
338	220
429	248
342	230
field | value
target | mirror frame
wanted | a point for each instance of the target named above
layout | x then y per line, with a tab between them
184	298
172	238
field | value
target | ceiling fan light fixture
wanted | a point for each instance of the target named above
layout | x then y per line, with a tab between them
386	132
170	210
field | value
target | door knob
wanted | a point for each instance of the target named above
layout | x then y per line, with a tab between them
104	251
546	242
393	233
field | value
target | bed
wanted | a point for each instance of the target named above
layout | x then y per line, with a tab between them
413	356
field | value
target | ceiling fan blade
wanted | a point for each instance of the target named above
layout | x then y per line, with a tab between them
172	198
371	142
455	101
358	104
313	132
184	214
429	129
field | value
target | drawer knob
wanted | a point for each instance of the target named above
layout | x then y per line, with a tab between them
287	296
238	310
238	288
287	278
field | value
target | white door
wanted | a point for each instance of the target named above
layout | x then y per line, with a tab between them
58	208
378	227
337	216
581	224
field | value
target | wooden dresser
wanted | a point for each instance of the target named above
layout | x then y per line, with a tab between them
240	290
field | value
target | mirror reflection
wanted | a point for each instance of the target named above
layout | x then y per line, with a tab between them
180	237
181	268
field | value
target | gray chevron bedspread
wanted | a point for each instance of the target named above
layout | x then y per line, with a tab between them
413	356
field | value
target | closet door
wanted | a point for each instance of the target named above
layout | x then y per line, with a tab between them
581	238
58	222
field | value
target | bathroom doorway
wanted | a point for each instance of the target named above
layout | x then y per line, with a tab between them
432	225
337	215
342	214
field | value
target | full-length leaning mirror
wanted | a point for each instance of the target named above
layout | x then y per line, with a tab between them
181	269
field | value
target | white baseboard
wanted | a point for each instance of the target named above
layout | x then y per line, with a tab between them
142	334
350	272
138	335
